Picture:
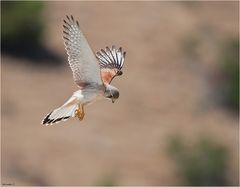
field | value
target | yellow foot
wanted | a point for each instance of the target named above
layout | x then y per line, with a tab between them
79	112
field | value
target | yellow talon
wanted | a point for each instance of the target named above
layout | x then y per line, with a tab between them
79	112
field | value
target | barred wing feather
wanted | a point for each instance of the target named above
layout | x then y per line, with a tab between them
111	62
81	59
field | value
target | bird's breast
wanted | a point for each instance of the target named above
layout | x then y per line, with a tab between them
89	96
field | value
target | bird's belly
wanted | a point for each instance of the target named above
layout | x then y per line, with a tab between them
88	96
91	98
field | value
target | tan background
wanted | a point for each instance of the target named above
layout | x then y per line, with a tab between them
161	94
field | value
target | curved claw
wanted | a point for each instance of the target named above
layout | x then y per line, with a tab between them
79	112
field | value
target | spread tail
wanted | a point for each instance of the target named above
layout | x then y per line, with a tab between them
62	113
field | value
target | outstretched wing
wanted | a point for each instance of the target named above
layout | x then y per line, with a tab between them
81	59
111	63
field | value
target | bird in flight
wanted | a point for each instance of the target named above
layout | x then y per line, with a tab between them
92	77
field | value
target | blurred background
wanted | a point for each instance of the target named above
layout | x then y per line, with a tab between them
176	122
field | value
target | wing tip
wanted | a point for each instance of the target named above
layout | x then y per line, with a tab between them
124	54
70	19
67	17
110	57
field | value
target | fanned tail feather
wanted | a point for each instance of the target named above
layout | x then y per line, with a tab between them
59	114
62	113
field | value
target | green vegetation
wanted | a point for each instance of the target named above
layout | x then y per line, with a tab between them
21	24
227	85
229	59
203	163
22	31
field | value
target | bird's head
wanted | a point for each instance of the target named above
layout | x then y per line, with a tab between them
111	92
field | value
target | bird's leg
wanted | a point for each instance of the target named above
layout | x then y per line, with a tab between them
79	112
82	113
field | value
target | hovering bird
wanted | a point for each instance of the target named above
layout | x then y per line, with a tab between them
92	77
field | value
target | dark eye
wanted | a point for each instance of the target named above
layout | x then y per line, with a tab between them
119	73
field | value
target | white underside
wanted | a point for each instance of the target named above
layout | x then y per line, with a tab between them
87	96
82	97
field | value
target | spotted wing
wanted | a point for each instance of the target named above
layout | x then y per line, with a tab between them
81	59
111	62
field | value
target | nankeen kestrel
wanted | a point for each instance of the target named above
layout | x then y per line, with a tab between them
92	77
